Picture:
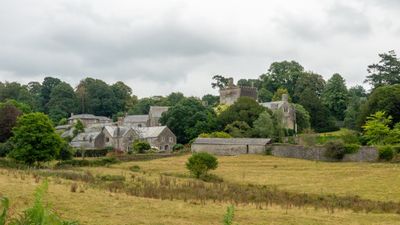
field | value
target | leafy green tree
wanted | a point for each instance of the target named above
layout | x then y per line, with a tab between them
140	146
188	119
302	118
335	96
16	92
35	89
47	87
78	128
143	105
96	97
200	163
123	94
8	119
238	129
244	109
173	98
264	95
264	126
278	94
308	93
220	82
376	129
216	134
211	100
386	99
62	102
386	72
353	113
394	135
35	139
282	75
357	91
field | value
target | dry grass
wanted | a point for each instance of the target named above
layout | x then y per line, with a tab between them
375	181
95	206
100	207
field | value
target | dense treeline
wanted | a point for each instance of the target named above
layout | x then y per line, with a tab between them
320	105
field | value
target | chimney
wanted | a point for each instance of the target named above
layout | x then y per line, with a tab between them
285	97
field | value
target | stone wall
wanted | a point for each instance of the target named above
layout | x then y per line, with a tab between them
364	154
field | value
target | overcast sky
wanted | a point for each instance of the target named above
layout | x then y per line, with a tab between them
157	47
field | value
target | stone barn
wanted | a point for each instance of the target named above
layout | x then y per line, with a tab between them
231	146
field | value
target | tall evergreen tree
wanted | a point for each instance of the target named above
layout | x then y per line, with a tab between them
335	96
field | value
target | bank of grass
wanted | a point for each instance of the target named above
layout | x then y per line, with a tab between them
375	181
96	206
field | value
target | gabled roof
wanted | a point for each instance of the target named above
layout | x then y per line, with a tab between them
156	111
117	131
136	119
233	141
85	139
150	132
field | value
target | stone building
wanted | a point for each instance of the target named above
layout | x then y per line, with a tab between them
155	114
231	146
88	140
88	119
134	120
288	111
159	137
232	93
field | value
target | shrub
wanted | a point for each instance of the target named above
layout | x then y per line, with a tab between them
5	148
134	168
349	137
396	149
335	149
91	152
84	162
386	153
140	146
200	163
216	134
230	213
66	152
178	147
351	148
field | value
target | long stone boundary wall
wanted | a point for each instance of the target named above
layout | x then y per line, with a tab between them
364	154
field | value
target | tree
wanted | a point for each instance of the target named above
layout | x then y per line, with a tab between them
278	94
264	126
211	100
216	134
302	118
353	114
282	75
62	102
386	99
220	82
200	163
123	94
335	96
173	98
386	72
78	128
188	119
16	92
376	129
96	97
47	87
35	139
143	105
244	109
8	119
264	95
238	129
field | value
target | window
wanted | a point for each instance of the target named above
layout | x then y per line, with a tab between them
171	139
107	139
160	147
90	139
139	125
162	138
166	147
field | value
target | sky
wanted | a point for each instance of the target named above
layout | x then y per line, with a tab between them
159	47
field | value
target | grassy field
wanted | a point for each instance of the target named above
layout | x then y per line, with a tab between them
97	206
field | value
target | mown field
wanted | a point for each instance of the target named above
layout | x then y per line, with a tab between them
94	205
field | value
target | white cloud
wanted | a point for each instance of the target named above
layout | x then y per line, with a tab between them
173	45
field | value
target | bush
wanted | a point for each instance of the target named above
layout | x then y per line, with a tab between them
178	147
386	153
396	149
216	134
349	137
335	149
66	152
92	152
134	168
83	162
5	148
140	146
200	163
351	148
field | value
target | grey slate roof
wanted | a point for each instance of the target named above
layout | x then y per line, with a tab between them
90	117
233	141
150	132
136	119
